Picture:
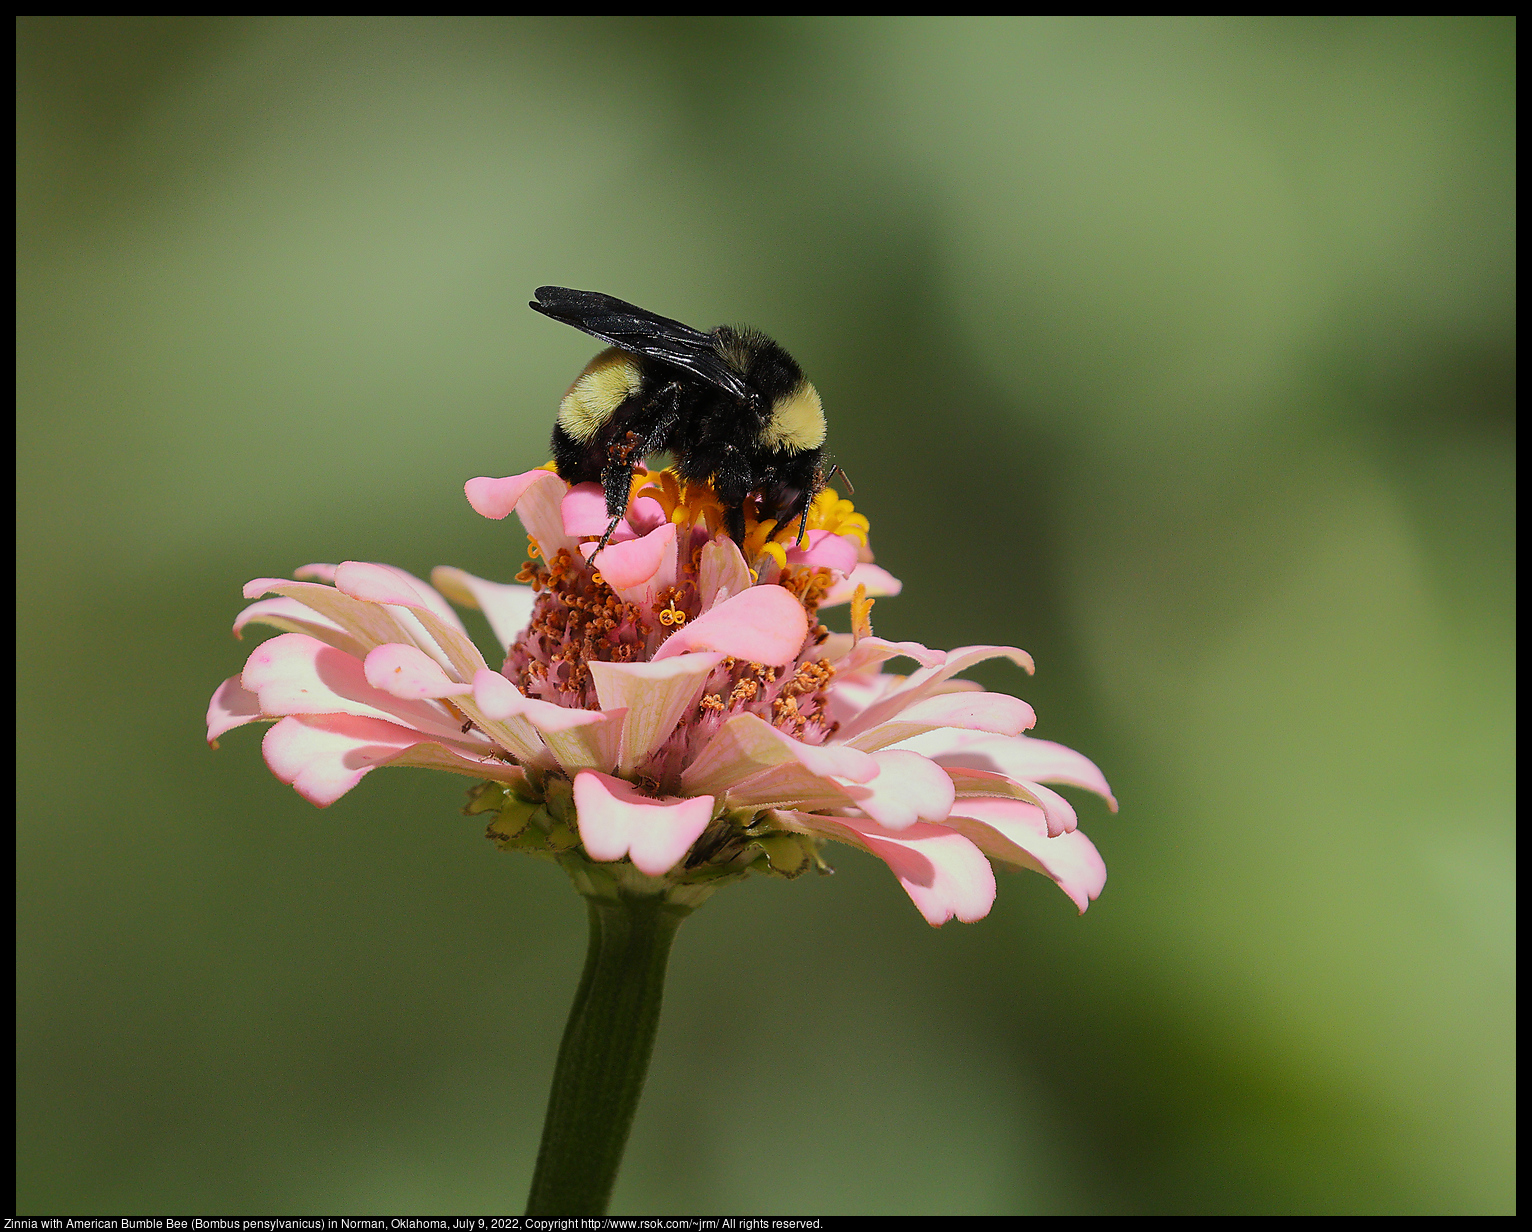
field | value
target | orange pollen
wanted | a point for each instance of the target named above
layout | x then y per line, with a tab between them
809	678
861	609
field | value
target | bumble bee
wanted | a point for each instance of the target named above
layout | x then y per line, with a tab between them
731	406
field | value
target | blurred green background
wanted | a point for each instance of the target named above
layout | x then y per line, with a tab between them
1178	352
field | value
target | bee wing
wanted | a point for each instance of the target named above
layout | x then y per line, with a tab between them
644	333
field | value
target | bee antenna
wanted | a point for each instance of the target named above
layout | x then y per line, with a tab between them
850	487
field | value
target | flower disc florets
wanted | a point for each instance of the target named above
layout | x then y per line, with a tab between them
579	618
670	705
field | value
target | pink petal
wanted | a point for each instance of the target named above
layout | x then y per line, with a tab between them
373	623
963	657
583	510
870	651
928	682
1017	832
316	573
232	706
788	786
1060	814
297	674
323	764
837	646
615	820
655	695
850	695
746	744
325	756
498	698
389	584
825	551
592	746
535	496
290	616
645	514
988	712
1020	757
370	624
968	783
404	671
496	498
508	608
427	618
501	712
721	572
942	872
765	625
256	587
879	582
638	569
908	788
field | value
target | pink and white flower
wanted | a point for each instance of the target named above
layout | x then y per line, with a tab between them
671	702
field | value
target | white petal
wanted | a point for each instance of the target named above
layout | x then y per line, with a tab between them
746	744
655	695
1024	758
722	572
907	789
878	581
508	608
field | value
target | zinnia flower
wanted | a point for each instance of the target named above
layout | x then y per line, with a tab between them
672	708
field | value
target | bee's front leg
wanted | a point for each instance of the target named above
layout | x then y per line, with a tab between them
661	415
666	409
623	457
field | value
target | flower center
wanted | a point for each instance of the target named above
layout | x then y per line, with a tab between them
578	618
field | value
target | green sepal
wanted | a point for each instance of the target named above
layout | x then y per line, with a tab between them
519	827
784	855
486	797
562	835
558	798
737	842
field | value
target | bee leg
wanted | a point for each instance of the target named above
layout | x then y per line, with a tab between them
606	536
817	484
659	436
617	475
733	481
734	523
665	410
617	483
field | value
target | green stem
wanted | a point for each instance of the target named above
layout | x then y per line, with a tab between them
605	1054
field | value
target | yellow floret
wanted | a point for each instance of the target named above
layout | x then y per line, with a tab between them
686	504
